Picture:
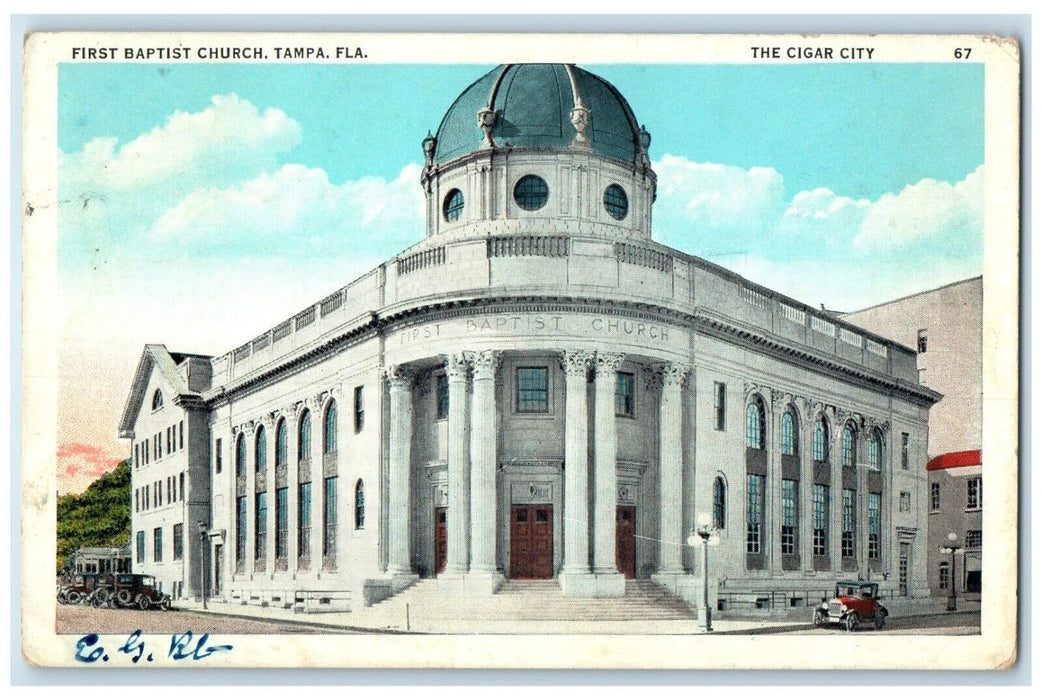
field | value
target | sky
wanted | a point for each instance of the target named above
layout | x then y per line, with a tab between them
204	203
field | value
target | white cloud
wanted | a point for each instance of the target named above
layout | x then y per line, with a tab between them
298	206
230	136
926	210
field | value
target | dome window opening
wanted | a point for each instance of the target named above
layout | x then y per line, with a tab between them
531	193
616	202
453	206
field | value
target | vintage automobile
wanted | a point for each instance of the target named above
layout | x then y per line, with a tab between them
78	588
131	590
854	602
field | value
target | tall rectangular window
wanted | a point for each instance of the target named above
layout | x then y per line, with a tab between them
329	522
533	390
904	451
181	486
906	502
974	493
790	516
442	395
624	394
754	514
821	520
159	445
304	520
281	522
140	546
849	514
973	539
935	496
137	456
179	541
943	580
217	456
181	432
240	530
359	409
922	340
720	405
137	500
260	528
875	501
157	544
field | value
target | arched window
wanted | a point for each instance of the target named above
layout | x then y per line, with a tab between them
754	425
281	443
821	440
157	400
304	436
329	429
261	450
875	451
240	455
719	503
849	446
789	443
359	505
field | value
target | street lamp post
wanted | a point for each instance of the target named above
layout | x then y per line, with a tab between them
702	536
203	541
951	548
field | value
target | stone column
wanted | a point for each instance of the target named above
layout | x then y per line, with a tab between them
805	450
835	447
605	478
861	467
671	460
576	365
458	513
772	520
400	380
483	435
293	484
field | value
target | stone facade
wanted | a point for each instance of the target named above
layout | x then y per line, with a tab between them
546	393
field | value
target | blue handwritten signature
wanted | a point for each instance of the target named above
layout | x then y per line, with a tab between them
185	646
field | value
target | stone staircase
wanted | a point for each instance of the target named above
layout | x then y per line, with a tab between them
536	601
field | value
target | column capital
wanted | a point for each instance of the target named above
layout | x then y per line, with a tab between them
485	363
608	362
457	365
399	377
576	363
673	373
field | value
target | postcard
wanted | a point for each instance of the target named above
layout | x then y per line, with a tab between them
520	351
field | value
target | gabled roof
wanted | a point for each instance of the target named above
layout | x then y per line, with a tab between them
159	358
951	460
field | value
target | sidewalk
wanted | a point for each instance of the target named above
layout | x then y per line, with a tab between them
391	619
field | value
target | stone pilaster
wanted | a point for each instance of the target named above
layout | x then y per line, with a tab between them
483	472
671	459
576	365
400	380
835	419
605	498
457	366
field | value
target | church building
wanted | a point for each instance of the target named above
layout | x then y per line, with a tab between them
534	390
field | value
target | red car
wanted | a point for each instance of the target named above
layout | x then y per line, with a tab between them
854	602
131	590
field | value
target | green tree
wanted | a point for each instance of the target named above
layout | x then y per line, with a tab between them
98	517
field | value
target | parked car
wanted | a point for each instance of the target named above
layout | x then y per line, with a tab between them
132	590
854	602
77	588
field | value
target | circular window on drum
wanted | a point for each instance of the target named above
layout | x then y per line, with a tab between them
531	192
616	202
453	206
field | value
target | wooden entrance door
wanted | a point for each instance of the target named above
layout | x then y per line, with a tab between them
441	539
532	541
626	540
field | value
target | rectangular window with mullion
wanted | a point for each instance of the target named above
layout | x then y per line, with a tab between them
304	521
720	405
533	390
754	514
874	524
240	530
179	541
790	516
821	519
261	526
974	494
329	522
849	515
281	522
624	395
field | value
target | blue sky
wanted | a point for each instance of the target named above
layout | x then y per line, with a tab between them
203	203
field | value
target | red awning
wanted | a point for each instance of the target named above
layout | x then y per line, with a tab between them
949	460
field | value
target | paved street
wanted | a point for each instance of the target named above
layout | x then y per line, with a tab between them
80	619
963	623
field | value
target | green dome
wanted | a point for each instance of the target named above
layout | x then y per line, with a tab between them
533	104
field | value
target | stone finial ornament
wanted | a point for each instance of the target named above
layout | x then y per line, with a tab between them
487	120
580	120
429	144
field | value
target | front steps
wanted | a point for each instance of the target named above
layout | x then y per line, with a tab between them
536	601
